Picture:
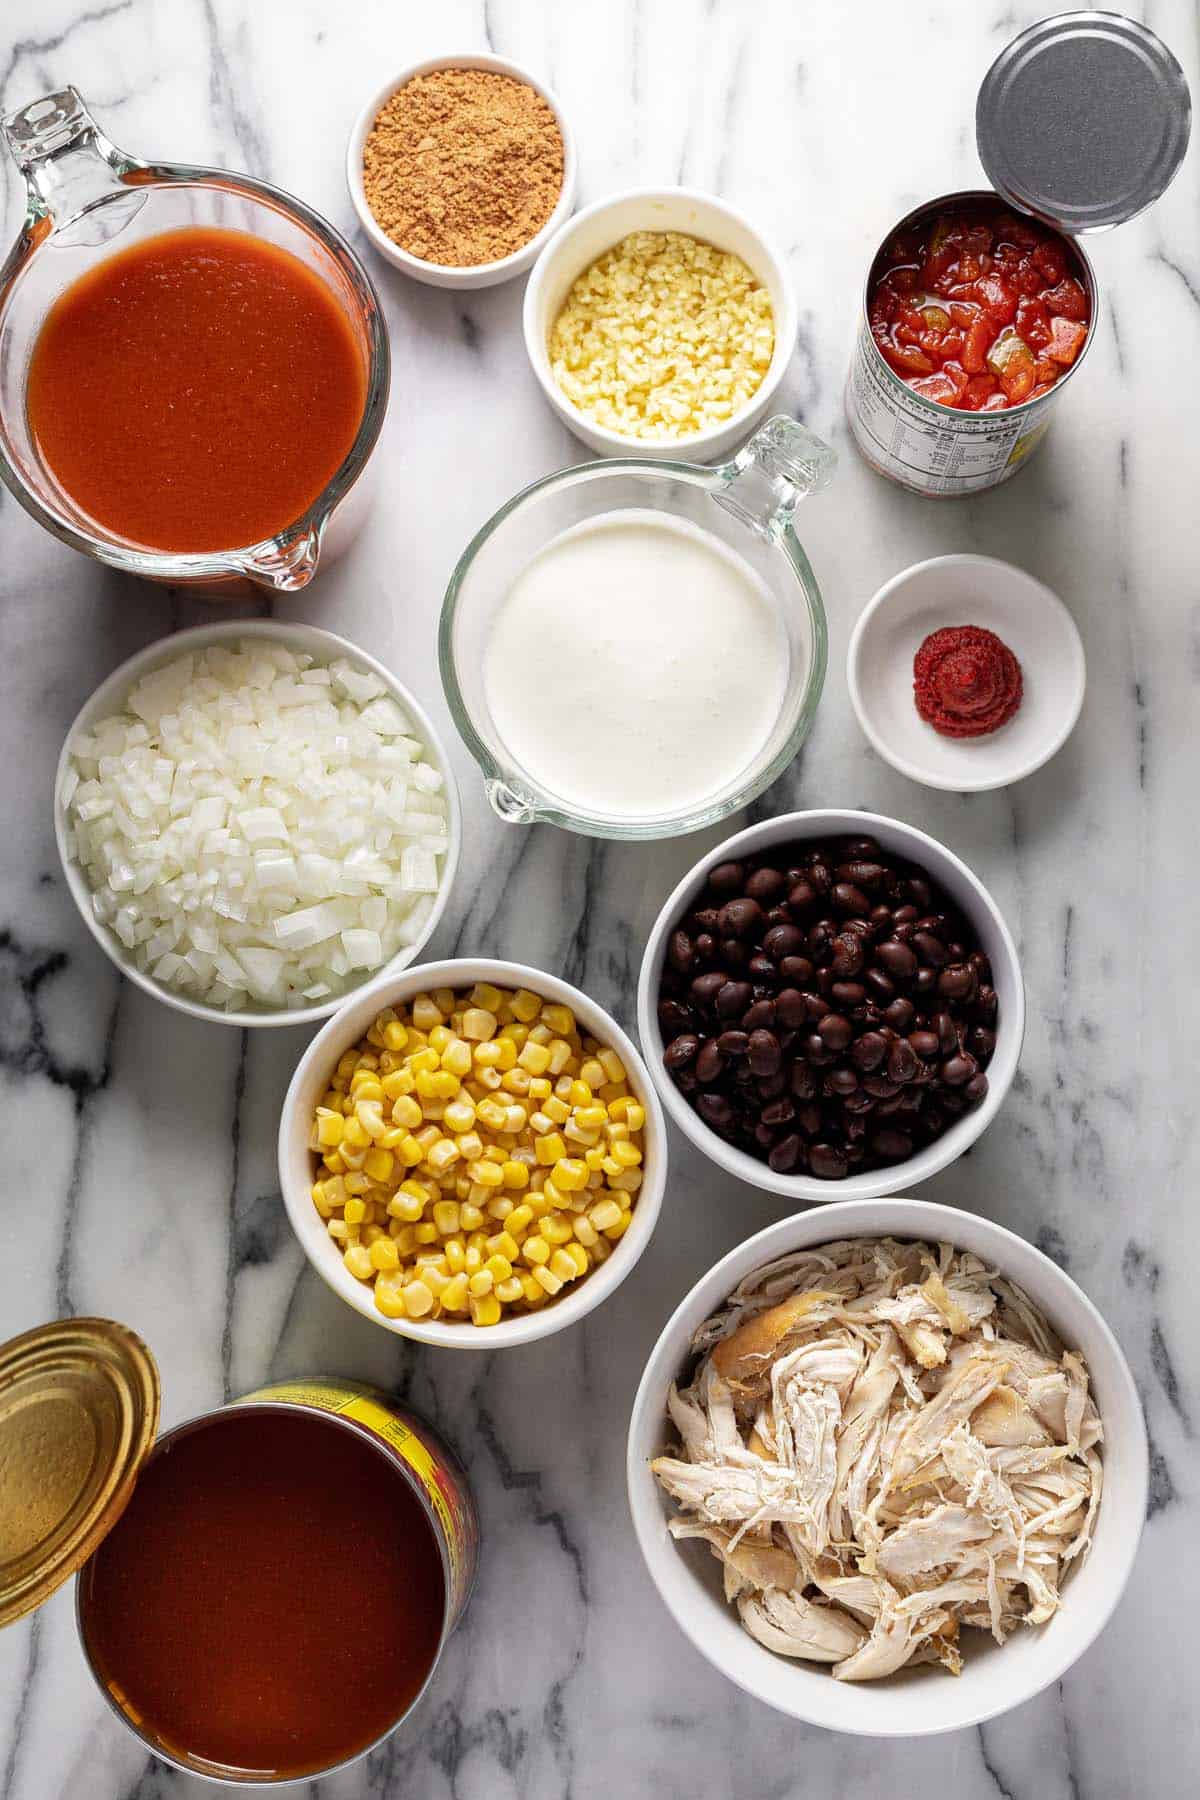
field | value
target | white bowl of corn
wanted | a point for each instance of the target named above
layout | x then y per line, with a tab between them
472	1153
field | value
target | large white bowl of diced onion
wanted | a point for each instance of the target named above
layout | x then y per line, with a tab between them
254	818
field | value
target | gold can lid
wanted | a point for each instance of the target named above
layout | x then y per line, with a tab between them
78	1414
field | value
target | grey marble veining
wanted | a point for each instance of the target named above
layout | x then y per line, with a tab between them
139	1145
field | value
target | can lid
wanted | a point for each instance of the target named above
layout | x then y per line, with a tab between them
78	1413
1083	120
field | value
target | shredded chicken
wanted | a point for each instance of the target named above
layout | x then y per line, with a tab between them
882	1442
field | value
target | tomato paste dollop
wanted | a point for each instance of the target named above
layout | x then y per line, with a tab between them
966	681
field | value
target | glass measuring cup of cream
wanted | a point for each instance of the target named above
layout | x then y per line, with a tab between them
192	383
635	649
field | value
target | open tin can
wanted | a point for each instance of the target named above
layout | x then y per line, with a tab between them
1081	122
79	1406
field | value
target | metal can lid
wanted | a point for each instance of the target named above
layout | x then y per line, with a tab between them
78	1413
1083	120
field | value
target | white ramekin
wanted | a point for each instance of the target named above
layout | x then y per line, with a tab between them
326	646
296	1161
596	229
916	1702
474	275
968	894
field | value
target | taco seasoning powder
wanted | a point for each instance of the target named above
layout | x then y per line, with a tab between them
463	166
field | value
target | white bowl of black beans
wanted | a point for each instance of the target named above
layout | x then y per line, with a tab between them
831	1006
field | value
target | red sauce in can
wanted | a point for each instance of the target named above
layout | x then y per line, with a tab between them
197	391
978	308
272	1599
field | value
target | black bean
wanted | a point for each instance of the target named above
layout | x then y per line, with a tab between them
739	918
863	874
783	940
790	1009
895	1145
930	949
809	1118
784	1155
681	1051
764	1053
827	1162
762	970
804	1080
900	1013
715	1110
732	998
903	1061
707	919
841	1082
835	1031
848	956
673	1018
881	984
733	1043
778	1112
796	969
847	898
727	878
759	1017
710	1063
765	886
869	1051
926	1045
848	993
896	958
706	987
958	1070
976	1089
957	981
681	952
801	895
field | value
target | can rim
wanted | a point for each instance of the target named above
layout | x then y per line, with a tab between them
935	408
266	1783
73	1362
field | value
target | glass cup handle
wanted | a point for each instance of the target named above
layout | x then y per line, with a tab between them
781	464
68	163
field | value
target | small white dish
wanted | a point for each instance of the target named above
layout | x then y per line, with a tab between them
445	275
110	696
296	1160
975	903
923	1701
966	590
596	229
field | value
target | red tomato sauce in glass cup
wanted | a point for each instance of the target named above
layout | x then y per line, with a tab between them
977	307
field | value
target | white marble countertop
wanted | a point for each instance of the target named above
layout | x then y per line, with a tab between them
139	1145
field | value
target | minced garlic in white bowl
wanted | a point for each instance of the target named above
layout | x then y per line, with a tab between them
584	349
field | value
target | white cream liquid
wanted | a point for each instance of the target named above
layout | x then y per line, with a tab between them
636	666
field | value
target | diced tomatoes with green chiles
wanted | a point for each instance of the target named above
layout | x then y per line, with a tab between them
978	308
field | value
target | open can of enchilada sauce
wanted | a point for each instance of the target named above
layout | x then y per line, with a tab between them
264	1591
980	306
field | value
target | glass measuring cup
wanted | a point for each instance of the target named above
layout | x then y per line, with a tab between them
747	504
86	198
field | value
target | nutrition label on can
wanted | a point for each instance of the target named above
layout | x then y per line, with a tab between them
933	450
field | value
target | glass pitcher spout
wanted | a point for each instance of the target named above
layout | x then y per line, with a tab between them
285	565
781	464
71	168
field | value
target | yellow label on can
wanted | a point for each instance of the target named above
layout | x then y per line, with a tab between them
441	1483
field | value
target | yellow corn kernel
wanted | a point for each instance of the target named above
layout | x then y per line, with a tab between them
406	1238
355	1134
515	1081
378	1164
627	1182
628	1155
490	998
459	1116
533	1292
384	1254
539	1089
441	1155
560	1057
454	1295
389	1296
435	1279
455	1252
397	1085
508	1292
470	1216
556	1109
410	1151
546	1278
425	1015
613	1232
492	1113
556	1228
446	1217
537	1250
535	1058
418	1299
584	1230
489	1077
320	1202
473	1259
525	1006
578	1255
487	1174
516	1175
560	1019
482	1282
356	1211
591	1118
498	1267
479	1025
500	1208
562	1264
358	1260
338	1229
550	1148
504	1244
485	1310
604	1214
456	1057
330	1126
570	1175
470	1146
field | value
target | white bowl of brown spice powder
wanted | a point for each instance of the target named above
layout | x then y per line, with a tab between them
460	169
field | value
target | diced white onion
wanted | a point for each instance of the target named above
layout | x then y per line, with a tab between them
257	829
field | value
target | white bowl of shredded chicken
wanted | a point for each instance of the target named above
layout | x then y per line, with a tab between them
888	1468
